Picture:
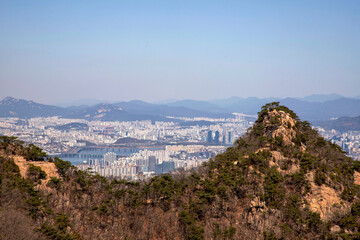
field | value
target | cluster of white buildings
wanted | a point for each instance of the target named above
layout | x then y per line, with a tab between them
185	145
45	133
147	162
348	141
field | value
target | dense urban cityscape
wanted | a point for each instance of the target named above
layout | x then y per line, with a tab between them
129	149
138	149
348	141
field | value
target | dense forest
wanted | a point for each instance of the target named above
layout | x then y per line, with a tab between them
281	180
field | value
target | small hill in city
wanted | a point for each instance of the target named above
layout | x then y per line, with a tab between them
281	180
74	126
129	141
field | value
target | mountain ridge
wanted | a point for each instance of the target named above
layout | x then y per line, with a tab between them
342	124
130	111
140	110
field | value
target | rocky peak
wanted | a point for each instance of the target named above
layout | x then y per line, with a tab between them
9	100
104	107
280	125
275	125
319	171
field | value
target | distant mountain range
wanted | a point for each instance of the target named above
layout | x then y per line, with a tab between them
321	97
324	108
122	111
315	108
342	124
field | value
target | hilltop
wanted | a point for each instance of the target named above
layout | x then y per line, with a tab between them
281	180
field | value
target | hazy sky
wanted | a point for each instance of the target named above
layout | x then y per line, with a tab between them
54	51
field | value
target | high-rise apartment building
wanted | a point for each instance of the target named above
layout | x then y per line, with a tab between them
217	137
152	163
210	137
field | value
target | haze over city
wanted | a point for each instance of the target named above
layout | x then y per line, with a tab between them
56	51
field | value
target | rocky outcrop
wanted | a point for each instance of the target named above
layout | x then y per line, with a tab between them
285	165
284	125
262	218
357	178
48	167
326	201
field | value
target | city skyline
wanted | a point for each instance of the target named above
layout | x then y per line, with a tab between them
54	52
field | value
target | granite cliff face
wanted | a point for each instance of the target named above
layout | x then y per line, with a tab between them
281	180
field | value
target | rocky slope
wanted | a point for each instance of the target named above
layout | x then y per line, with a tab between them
281	180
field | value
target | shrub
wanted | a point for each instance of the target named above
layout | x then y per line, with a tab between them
62	222
260	160
348	222
61	165
229	232
35	173
9	166
285	228
320	142
278	141
54	182
192	229
241	143
313	220
292	208
34	203
56	234
356	166
355	209
269	236
307	162
273	189
222	192
319	177
207	194
34	153
347	194
103	209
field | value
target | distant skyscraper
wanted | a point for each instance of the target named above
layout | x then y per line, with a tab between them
168	166
152	163
210	137
165	167
230	138
158	168
217	137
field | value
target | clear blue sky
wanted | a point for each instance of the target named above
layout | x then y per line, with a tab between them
53	51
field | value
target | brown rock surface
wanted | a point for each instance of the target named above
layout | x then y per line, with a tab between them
49	168
357	178
326	201
285	129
